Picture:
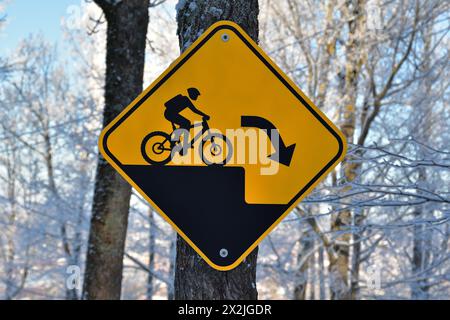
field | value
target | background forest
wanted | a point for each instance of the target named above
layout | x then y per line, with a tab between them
378	227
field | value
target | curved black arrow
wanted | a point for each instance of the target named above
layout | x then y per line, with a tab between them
282	154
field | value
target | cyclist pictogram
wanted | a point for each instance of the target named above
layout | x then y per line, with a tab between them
158	147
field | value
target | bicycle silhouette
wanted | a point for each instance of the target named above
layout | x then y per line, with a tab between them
158	147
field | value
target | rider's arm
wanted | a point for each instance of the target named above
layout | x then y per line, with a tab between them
197	111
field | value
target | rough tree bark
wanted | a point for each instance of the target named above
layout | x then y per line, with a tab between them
126	40
194	279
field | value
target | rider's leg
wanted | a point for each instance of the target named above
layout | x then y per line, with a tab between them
181	121
177	119
184	124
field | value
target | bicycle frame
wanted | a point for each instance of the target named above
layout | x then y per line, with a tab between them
205	128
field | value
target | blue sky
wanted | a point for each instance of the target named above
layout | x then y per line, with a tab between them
33	16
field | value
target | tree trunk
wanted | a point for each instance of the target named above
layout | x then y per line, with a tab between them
421	255
194	278
328	48
151	254
312	274
321	274
71	259
422	234
173	249
339	269
126	40
304	258
356	256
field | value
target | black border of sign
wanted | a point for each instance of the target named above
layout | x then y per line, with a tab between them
270	67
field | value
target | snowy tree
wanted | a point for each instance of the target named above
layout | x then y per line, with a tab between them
371	69
47	162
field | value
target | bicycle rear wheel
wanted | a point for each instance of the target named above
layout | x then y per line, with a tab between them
156	148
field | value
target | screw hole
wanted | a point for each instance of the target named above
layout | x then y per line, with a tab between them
225	37
223	253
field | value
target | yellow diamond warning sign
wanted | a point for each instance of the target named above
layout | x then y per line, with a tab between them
223	145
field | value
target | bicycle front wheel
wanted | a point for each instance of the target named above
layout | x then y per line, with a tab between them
156	148
216	149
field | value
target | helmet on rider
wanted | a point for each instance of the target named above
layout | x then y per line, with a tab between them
193	93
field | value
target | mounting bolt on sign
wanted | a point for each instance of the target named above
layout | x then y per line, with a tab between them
223	145
224	253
